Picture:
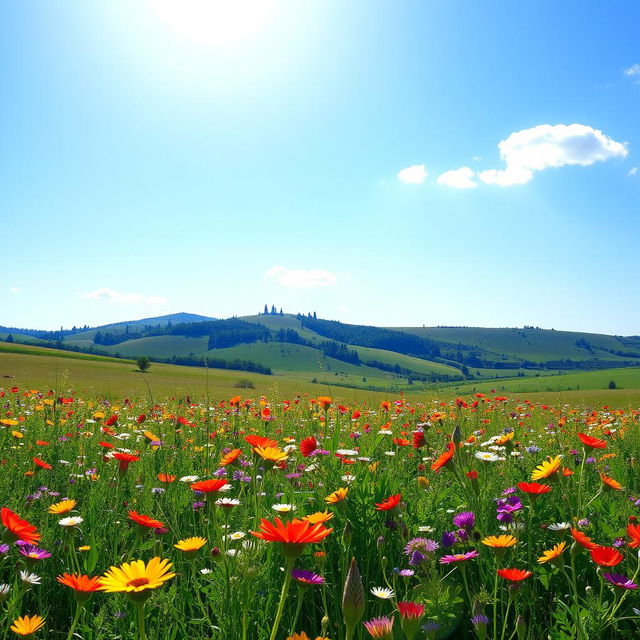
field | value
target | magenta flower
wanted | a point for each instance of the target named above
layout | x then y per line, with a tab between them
459	557
618	580
380	627
307	577
31	552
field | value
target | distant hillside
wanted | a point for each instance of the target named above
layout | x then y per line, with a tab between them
353	355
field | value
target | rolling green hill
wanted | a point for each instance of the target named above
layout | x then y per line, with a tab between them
355	355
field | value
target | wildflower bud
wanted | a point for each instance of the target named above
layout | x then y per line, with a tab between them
588	590
353	597
346	535
216	554
456	436
521	628
380	543
423	482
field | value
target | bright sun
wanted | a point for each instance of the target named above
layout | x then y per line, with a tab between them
214	22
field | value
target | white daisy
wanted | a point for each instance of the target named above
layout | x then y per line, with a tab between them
487	456
383	593
189	478
284	508
346	452
71	521
559	526
227	503
29	578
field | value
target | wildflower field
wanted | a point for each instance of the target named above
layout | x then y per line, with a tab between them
267	517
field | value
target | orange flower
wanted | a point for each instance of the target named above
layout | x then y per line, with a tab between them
230	457
500	542
208	486
320	517
260	441
20	529
606	556
166	478
337	496
552	554
445	458
79	582
293	535
145	521
583	540
610	482
590	441
324	401
124	460
271	454
633	531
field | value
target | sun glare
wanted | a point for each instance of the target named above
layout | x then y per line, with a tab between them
214	22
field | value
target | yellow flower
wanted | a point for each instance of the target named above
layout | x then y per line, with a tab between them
271	454
551	554
337	496
319	517
546	468
25	626
62	507
500	542
134	577
17	434
84	548
8	422
423	482
505	438
190	545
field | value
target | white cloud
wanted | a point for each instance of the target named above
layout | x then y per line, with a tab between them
546	146
633	171
300	278
124	298
461	178
14	290
415	174
633	70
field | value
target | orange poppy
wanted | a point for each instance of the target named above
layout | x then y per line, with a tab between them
445	458
208	486
606	556
145	521
590	441
20	529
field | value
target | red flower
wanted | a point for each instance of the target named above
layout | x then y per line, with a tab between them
590	441
534	488
141	418
418	439
445	458
20	529
41	463
308	446
294	532
410	609
514	575
606	556
125	459
390	503
145	521
208	486
112	420
106	445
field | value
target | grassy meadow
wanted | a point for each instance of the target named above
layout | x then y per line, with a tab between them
196	509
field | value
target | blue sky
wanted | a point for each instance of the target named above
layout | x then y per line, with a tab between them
163	156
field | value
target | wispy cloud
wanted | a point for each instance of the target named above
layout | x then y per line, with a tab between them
118	297
14	290
415	174
301	278
546	146
461	178
633	71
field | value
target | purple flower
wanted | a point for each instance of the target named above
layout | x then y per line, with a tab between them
465	520
532	449
448	539
198	505
619	542
404	573
462	534
590	460
509	491
618	580
479	619
307	577
423	545
4	548
220	472
416	559
31	552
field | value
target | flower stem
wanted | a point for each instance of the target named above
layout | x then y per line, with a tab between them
141	633
76	617
283	598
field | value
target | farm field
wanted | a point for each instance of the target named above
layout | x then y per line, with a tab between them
475	514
